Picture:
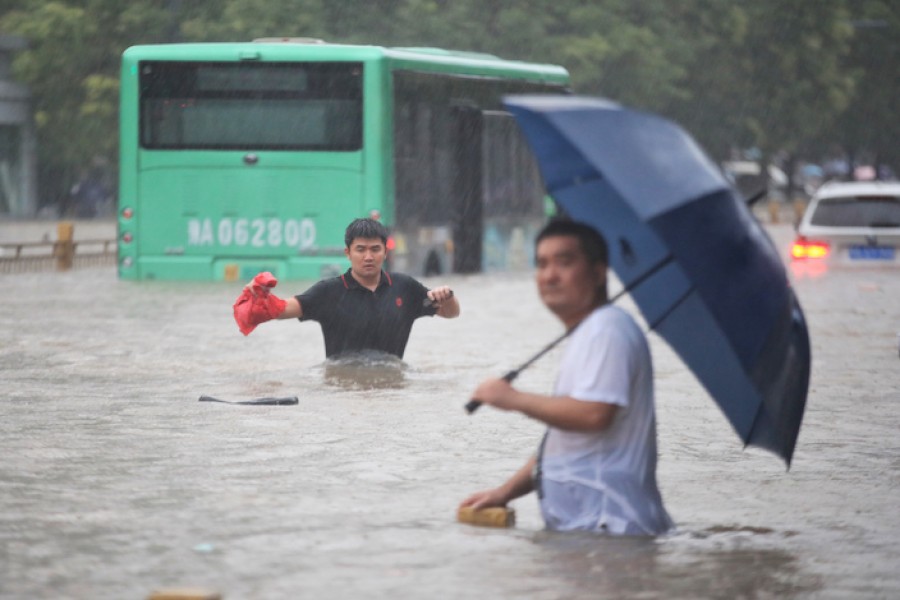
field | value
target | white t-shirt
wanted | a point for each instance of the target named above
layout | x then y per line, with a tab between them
605	481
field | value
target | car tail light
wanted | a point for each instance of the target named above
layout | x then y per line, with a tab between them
809	249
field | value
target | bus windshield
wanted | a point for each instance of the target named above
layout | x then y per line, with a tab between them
251	106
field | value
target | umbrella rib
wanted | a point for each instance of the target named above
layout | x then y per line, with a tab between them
656	268
644	277
669	311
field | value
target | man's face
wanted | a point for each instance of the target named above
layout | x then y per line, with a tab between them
567	283
366	256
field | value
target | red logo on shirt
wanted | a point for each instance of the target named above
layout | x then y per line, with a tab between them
399	301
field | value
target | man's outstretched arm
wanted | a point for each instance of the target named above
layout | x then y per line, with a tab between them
292	309
563	412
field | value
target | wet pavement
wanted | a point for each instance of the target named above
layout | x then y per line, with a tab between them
117	481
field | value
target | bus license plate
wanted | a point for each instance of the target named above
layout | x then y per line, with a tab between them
871	253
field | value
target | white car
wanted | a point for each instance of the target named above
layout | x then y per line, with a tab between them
851	223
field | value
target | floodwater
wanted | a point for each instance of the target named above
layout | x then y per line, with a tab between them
115	481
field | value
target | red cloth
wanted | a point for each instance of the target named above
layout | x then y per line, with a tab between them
250	310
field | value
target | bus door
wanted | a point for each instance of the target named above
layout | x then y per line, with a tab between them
513	195
498	194
467	198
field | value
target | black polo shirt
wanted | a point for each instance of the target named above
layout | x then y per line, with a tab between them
354	318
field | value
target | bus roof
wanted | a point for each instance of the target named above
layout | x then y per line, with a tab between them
291	49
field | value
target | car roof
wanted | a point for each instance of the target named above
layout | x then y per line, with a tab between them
834	193
858	188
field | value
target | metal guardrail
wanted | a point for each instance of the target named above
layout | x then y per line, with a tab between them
62	255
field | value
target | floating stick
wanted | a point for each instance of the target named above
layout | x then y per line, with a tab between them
259	401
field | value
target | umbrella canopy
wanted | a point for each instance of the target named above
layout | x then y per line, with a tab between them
699	266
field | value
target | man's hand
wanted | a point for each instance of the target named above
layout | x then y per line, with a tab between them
518	485
443	301
261	285
439	295
251	289
496	392
485	499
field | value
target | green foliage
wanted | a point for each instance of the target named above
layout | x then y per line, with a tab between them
799	85
231	20
715	99
779	76
866	125
71	67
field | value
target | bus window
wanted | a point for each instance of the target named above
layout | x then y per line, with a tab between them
249	106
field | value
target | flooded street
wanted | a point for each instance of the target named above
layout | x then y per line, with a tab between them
116	481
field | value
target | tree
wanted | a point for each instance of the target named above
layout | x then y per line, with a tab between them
868	126
793	76
72	67
714	99
765	74
239	20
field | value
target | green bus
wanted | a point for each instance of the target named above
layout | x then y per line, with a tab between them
237	158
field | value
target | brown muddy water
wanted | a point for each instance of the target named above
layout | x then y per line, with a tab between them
116	481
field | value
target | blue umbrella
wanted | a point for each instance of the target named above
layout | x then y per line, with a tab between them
699	266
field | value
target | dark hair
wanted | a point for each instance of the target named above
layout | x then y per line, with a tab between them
592	243
366	229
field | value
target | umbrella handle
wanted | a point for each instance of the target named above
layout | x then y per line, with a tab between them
473	404
427	302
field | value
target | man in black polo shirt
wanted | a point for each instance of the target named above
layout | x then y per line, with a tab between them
367	308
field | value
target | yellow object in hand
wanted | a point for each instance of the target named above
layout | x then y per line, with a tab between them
499	516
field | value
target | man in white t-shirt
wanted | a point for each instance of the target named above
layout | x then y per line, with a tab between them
596	470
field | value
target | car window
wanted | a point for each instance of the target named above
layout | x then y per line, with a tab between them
880	211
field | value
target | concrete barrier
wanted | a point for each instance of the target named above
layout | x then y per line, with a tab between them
28	246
